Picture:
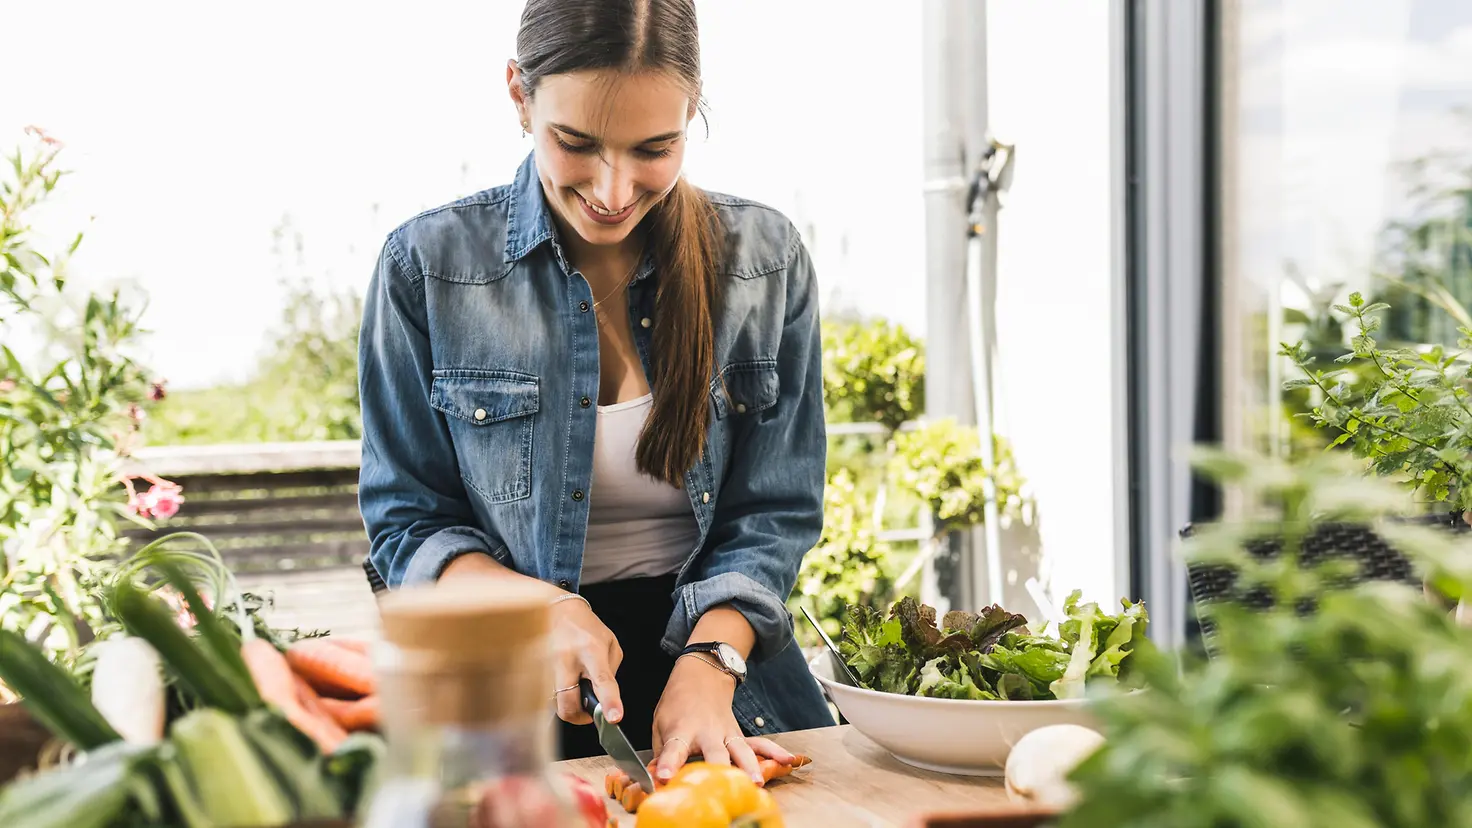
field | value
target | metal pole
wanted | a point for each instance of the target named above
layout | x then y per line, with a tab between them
992	177
956	143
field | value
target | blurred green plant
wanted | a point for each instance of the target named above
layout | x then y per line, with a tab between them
850	565
941	463
70	411
1353	715
901	476
873	372
1406	410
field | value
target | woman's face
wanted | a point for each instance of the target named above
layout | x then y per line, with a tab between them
609	145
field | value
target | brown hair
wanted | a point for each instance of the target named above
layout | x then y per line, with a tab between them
562	36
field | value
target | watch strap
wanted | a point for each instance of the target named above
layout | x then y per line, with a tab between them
711	648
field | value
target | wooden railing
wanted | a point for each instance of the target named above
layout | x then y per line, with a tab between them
267	507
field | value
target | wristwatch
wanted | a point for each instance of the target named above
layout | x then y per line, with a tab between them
726	658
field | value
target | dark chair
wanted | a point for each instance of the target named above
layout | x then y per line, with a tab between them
1356	544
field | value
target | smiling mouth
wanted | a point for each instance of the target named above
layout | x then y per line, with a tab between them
606	213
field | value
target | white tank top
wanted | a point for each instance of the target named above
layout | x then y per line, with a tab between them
637	525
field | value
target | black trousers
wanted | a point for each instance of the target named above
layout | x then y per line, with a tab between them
636	610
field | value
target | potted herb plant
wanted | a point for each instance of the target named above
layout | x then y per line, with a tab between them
1345	706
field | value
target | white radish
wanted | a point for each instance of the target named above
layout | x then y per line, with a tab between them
1039	764
128	688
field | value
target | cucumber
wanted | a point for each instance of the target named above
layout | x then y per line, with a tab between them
231	783
148	618
355	768
185	807
293	759
51	695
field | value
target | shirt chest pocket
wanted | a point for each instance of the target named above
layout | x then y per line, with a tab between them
745	388
491	415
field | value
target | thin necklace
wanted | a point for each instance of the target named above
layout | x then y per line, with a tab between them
637	261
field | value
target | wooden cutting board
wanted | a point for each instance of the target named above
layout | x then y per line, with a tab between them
852	782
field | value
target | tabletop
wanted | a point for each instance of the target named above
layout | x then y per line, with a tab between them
852	781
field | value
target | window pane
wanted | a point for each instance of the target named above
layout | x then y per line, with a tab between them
1348	150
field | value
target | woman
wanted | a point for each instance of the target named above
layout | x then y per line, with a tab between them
604	378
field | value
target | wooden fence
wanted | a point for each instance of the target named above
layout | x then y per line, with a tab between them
285	517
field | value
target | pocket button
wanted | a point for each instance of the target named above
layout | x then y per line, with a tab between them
759	722
480	414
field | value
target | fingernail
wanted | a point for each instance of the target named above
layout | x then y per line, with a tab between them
615	714
757	778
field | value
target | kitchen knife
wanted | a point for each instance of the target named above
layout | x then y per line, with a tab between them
613	740
846	676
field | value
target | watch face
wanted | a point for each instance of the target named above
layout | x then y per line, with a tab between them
732	658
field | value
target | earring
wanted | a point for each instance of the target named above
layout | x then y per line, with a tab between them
524	127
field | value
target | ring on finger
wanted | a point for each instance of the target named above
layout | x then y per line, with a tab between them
562	690
677	739
726	743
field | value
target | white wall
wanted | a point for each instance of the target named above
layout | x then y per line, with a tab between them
1049	67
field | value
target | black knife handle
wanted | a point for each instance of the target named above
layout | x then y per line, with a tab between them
590	699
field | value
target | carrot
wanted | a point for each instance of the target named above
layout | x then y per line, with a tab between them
332	670
280	687
354	715
630	794
310	701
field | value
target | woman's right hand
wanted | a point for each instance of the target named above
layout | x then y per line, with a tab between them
583	646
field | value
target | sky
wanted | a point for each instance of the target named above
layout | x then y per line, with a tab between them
195	134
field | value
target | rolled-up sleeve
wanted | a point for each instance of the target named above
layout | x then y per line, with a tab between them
414	505
769	513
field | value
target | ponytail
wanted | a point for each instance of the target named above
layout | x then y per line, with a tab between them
684	235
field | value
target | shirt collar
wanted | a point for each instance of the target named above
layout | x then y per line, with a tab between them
528	224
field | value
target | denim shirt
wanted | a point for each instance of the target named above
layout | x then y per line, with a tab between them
479	373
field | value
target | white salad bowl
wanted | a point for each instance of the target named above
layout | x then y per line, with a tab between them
955	736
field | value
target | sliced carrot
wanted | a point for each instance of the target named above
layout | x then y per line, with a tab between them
630	794
280	687
354	715
332	670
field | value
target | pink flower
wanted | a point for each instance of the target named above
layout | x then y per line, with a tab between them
41	133
136	413
182	616
6	386
162	501
157	392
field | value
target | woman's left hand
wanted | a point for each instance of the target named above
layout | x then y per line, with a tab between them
694	718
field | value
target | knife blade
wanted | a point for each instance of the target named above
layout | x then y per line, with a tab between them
613	740
847	675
